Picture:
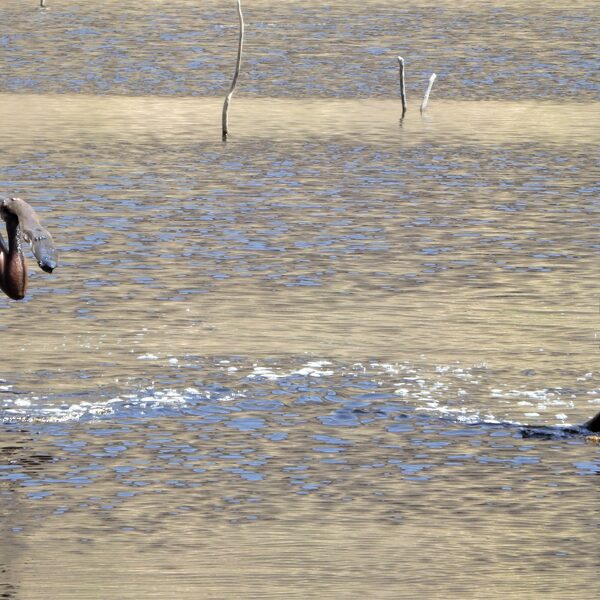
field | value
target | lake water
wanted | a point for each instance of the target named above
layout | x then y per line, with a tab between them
295	365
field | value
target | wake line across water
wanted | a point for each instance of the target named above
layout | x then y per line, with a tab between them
401	396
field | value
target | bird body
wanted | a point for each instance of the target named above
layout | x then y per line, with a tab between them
22	223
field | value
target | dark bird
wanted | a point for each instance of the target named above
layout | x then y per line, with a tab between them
593	424
22	224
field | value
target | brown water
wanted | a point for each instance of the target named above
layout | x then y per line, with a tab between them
294	365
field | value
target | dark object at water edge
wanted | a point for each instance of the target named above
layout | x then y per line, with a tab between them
593	424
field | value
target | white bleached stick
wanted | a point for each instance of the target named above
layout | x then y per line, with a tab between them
238	63
427	92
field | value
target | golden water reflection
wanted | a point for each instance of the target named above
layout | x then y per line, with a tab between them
460	245
44	120
382	299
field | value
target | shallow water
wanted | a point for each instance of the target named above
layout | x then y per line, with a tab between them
296	364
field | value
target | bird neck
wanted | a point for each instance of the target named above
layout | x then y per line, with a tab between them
13	231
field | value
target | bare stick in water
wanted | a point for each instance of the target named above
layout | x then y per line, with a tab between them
427	92
42	3
236	74
402	85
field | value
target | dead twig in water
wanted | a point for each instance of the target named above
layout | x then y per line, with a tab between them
402	84
42	3
224	120
427	92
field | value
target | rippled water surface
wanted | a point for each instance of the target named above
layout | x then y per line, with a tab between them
297	365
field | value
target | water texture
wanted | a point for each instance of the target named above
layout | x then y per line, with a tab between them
479	50
298	364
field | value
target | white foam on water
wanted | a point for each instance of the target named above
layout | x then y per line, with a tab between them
312	372
540	400
311	369
449	390
465	415
150	400
390	369
265	372
448	393
317	364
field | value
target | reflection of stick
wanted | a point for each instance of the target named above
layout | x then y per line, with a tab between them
236	74
427	92
402	86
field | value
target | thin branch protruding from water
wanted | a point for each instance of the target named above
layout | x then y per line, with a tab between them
402	84
225	124
427	92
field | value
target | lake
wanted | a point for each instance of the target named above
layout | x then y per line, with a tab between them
297	364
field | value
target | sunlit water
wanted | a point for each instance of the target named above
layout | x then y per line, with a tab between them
297	364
